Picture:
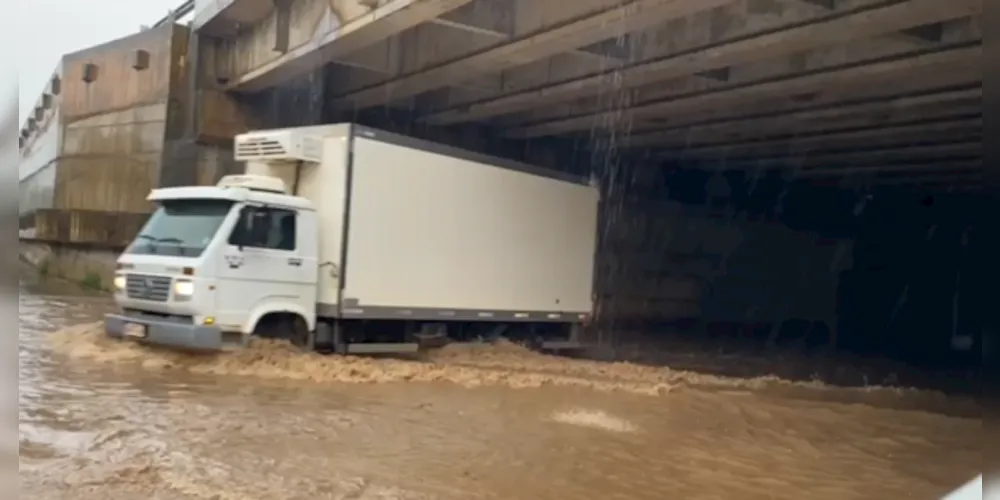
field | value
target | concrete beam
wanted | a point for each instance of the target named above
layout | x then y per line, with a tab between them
283	21
499	36
958	180
547	41
831	29
957	129
958	58
223	17
823	4
947	166
869	111
905	116
382	22
907	82
930	33
948	182
816	160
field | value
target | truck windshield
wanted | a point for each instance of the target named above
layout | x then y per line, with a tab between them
181	228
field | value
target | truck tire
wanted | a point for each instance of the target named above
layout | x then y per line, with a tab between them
535	343
299	334
329	337
339	340
323	338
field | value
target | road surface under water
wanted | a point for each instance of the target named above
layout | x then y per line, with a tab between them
101	420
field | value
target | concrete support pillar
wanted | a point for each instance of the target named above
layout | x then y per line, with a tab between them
201	121
298	103
282	29
178	162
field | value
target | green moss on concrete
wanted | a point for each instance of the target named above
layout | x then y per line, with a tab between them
44	268
92	281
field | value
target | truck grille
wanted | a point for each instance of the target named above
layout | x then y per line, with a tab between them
140	286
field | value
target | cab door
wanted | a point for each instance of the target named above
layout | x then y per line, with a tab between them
269	265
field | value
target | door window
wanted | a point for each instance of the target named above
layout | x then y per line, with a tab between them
265	227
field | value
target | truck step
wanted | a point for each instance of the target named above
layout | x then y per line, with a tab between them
383	348
561	345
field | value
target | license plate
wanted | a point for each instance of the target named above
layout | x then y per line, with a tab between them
135	330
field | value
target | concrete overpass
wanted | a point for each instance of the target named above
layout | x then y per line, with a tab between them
875	90
652	96
673	104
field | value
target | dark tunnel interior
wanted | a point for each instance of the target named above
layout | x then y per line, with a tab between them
771	264
917	257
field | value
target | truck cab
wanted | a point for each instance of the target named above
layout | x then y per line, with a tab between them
214	264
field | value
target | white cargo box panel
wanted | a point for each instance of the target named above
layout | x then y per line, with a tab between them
439	232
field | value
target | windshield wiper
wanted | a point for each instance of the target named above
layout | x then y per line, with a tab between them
177	241
167	239
150	239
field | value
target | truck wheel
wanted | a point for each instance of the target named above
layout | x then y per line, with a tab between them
330	337
535	343
338	339
299	334
323	338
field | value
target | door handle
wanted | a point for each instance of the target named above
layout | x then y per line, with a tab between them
295	262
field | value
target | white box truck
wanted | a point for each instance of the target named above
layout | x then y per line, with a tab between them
348	239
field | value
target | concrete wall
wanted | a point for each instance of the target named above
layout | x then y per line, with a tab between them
203	119
100	146
90	227
37	169
678	250
893	270
114	126
39	152
93	267
207	9
918	278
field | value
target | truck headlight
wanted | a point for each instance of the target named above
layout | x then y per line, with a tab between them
119	282
183	289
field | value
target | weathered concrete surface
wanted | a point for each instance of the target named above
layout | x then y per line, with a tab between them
735	40
661	76
91	266
314	32
533	34
96	146
87	227
114	125
848	115
97	139
853	72
40	142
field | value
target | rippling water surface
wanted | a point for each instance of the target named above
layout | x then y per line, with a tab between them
105	420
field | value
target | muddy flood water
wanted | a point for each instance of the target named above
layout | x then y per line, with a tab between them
105	420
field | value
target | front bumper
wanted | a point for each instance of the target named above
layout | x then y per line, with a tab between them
166	333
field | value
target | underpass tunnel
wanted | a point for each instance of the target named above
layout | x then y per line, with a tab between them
897	272
818	191
750	260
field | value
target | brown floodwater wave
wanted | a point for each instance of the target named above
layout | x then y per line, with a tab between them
487	364
106	419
